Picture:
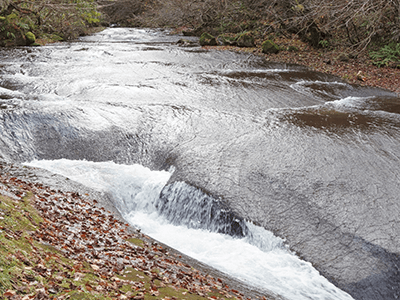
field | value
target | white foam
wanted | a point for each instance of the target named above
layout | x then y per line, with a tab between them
302	86
348	102
255	71
10	93
267	265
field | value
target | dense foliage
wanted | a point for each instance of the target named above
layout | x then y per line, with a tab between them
22	20
357	24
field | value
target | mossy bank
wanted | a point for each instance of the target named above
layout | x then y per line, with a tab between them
27	23
58	245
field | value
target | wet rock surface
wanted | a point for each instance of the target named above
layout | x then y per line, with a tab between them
303	154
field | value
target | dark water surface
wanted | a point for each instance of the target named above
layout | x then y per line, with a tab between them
303	154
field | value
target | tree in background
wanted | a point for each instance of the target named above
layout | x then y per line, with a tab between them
51	19
357	21
319	22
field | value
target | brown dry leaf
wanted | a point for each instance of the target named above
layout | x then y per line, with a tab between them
9	293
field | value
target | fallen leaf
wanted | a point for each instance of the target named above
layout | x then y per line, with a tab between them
9	293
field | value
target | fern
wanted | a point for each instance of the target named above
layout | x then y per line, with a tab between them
385	55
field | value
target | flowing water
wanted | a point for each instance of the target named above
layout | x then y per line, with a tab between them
284	178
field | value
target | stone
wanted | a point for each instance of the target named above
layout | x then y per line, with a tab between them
187	43
269	47
245	40
343	57
207	39
30	38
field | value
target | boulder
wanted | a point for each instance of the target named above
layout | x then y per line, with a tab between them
245	40
269	47
30	38
207	39
343	57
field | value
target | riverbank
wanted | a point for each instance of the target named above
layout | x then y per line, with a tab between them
63	245
353	69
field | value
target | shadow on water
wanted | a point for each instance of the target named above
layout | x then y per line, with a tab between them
337	121
373	113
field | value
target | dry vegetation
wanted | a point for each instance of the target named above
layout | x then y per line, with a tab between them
358	40
358	22
351	26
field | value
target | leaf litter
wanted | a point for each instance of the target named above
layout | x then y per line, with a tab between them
59	245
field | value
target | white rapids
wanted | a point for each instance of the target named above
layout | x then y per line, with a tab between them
260	259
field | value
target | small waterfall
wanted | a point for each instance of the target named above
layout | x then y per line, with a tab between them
198	225
182	204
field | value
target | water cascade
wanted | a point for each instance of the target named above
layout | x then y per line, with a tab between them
197	225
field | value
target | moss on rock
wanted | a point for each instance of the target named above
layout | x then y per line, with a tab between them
269	47
245	39
30	38
226	39
207	39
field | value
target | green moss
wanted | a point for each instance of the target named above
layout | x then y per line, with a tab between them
207	39
30	38
227	39
245	39
298	8
20	255
12	16
136	241
269	47
85	296
31	26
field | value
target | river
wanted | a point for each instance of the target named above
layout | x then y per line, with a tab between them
284	178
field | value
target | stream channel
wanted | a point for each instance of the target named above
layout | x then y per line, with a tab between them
281	177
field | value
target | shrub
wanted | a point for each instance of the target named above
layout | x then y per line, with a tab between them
385	55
